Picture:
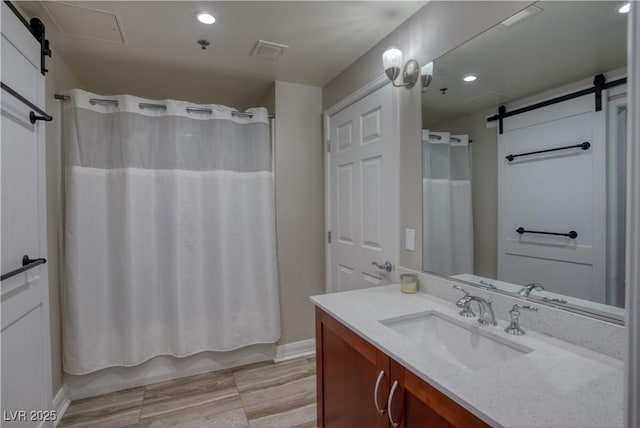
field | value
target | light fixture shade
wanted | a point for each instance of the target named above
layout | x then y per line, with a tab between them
625	8
392	58
426	75
427	69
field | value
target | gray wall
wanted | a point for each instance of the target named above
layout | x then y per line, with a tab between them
299	205
431	32
268	101
59	78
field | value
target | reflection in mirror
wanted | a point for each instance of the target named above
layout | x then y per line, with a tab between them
523	154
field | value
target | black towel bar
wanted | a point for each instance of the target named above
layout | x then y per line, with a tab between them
32	116
27	264
583	146
571	234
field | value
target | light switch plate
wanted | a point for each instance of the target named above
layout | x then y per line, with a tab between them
410	239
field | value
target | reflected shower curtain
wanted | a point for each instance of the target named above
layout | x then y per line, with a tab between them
447	214
169	232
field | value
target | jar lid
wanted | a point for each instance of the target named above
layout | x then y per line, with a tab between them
408	277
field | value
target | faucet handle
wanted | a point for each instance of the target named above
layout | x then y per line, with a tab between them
518	306
463	303
514	326
457	287
488	285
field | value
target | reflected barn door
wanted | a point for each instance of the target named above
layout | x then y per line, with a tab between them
558	192
363	183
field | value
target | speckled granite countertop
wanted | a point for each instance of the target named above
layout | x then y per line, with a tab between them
558	384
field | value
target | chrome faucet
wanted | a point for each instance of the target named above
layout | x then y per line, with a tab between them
486	316
527	289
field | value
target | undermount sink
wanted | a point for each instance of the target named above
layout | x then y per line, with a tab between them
469	347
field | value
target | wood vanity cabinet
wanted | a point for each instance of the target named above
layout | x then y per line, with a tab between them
348	370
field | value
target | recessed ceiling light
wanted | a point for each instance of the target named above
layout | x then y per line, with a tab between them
469	78
205	18
625	8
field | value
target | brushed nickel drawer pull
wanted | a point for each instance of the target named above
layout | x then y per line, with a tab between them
375	393
393	391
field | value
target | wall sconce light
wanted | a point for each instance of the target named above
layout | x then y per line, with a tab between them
392	61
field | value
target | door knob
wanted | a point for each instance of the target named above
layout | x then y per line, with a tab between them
387	266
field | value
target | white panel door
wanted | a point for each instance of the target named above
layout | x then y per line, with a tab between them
26	352
557	192
363	168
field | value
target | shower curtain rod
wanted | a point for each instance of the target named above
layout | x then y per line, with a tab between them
454	139
142	106
459	140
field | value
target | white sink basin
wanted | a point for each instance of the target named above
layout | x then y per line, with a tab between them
468	346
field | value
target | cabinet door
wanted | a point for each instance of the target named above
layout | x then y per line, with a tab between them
416	404
348	370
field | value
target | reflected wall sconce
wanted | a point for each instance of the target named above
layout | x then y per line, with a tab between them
392	61
426	74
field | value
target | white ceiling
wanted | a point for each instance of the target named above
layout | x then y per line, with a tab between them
564	43
160	58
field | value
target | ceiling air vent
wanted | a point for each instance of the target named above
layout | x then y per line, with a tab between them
88	23
519	17
268	50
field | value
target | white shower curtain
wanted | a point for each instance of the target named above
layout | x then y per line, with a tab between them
447	214
169	232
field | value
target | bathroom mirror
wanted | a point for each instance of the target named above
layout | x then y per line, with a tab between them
523	158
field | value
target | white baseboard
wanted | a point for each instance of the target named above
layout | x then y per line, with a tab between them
60	403
163	368
289	351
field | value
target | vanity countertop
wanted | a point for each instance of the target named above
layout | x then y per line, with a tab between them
558	384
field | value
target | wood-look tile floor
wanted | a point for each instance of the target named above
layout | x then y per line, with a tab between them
258	395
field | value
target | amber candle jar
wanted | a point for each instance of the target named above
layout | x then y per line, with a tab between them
408	283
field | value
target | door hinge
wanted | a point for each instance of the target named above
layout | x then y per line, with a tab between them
329	237
328	147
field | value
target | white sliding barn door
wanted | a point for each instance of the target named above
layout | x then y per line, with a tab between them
26	352
363	192
559	191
